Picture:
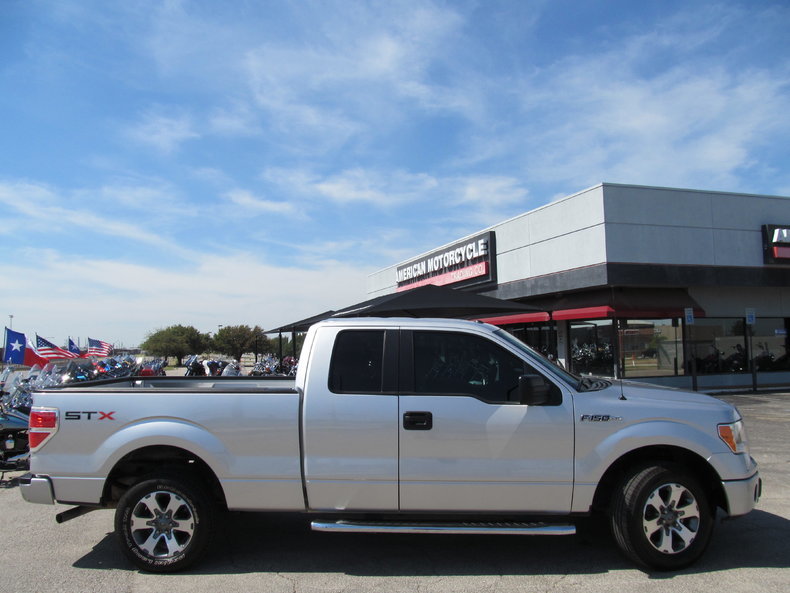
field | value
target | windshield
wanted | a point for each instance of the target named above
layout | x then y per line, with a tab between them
539	359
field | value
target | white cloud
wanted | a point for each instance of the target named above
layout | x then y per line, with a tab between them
375	187
362	72
156	199
668	106
164	132
236	120
485	198
116	301
250	204
43	210
212	175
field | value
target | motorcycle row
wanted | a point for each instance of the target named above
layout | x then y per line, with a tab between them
197	367
267	366
270	365
17	388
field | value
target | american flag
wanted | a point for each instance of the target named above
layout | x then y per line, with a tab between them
47	349
98	348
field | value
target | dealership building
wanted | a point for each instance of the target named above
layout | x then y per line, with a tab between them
679	287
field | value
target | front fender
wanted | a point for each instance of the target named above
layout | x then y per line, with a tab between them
599	446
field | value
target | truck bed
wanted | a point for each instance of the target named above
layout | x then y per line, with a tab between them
246	429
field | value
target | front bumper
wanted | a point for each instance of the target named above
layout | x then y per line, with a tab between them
742	495
36	489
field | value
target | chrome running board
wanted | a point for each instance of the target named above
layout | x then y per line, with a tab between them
446	528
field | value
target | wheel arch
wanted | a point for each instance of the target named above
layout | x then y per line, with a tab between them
162	461
690	461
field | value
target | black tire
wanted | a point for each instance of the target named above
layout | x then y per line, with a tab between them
661	518
164	524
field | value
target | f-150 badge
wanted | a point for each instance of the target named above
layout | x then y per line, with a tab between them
600	418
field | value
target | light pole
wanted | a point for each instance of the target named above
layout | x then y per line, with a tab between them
10	322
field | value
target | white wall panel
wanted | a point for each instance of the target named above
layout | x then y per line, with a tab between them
657	206
738	247
575	212
579	249
650	244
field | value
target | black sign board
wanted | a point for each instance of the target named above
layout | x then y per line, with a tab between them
469	262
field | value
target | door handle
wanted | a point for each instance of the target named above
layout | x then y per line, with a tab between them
417	421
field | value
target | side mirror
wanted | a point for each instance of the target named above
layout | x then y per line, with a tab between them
533	390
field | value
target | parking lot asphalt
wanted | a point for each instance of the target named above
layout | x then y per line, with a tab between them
278	553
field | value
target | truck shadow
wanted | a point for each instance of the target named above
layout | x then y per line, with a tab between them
257	542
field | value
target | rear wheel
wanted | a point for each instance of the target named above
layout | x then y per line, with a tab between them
164	524
661	518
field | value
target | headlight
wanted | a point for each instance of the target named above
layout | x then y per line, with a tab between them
734	436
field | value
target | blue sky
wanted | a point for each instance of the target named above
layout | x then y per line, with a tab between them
246	162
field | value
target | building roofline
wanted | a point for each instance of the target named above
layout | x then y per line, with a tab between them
601	185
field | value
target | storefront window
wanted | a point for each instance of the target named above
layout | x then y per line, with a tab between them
651	347
770	345
719	345
592	347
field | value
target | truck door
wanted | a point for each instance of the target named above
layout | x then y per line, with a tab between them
466	443
350	421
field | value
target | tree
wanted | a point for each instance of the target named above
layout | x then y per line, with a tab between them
235	340
176	340
262	344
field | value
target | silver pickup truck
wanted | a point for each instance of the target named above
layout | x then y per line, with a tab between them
395	425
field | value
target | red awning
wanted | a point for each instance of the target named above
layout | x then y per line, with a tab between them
602	312
633	303
518	318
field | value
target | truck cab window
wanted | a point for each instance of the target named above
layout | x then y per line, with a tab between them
466	364
357	361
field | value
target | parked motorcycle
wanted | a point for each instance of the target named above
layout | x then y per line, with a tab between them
153	368
214	368
289	366
232	369
266	366
14	451
194	367
14	414
765	360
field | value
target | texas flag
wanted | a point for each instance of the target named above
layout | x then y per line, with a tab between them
33	358
14	352
73	348
17	350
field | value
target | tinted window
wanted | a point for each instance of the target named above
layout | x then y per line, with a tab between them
357	362
453	363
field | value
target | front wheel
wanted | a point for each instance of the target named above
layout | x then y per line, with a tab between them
163	524
661	518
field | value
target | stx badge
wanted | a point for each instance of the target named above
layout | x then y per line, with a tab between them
94	415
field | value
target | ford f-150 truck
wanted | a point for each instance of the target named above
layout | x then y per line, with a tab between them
398	426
